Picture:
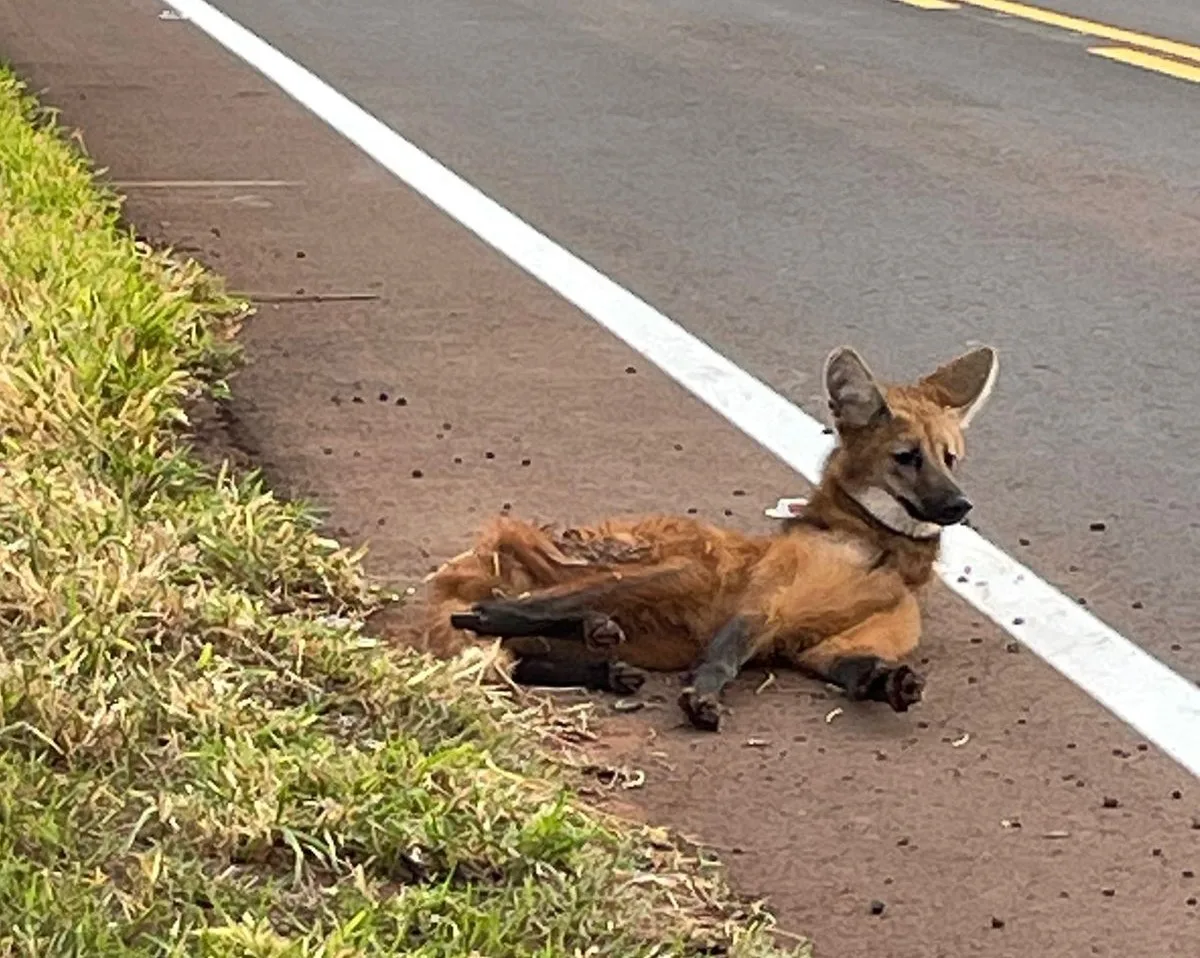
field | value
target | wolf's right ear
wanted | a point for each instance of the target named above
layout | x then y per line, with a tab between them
855	399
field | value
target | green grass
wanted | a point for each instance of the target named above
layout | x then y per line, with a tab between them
200	752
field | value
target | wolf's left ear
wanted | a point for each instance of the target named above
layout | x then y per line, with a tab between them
963	385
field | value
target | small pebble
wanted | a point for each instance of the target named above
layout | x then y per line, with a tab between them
1023	542
1137	605
630	370
1108	892
417	473
526	462
489	455
1018	621
877	907
401	401
997	922
1097	527
383	397
1188	873
357	399
1177	794
1110	803
1012	647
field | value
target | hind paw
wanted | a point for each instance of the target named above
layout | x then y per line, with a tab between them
702	709
624	679
468	621
601	632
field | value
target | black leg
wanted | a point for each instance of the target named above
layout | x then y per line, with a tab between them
723	660
599	676
869	678
561	617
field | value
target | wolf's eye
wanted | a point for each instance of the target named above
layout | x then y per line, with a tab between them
951	459
908	457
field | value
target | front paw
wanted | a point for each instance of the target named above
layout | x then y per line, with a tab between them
702	710
867	678
902	687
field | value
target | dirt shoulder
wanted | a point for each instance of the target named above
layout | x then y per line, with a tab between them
451	386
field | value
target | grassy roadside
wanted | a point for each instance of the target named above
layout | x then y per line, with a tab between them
199	753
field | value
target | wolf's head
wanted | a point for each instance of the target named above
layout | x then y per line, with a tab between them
900	444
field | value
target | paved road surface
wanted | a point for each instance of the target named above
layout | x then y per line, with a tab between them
780	178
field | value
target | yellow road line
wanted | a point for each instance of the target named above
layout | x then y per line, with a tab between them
1148	61
1091	28
931	4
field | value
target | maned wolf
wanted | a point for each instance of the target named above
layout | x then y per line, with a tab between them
834	594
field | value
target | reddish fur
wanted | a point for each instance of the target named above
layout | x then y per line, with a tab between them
835	584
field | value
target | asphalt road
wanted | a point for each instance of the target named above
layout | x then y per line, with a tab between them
784	176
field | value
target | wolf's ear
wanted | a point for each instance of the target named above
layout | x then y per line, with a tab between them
963	385
855	399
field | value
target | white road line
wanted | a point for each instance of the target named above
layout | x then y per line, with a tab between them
1160	704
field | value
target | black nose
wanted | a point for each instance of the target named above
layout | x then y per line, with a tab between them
954	511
